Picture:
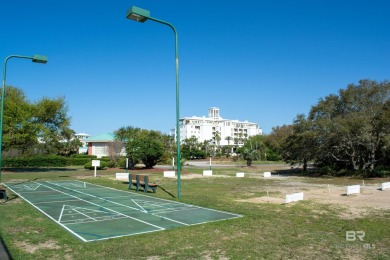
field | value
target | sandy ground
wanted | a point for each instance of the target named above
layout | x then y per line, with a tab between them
371	197
370	200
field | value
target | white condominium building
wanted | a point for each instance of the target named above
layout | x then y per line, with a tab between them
220	131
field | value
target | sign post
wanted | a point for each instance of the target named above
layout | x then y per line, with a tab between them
127	164
95	163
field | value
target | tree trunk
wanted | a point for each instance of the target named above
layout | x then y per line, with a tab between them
304	165
248	162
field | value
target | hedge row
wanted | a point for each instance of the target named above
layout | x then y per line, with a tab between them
83	156
45	161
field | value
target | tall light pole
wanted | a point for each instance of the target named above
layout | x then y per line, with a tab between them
34	58
141	15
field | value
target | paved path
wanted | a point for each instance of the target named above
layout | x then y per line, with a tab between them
3	251
206	163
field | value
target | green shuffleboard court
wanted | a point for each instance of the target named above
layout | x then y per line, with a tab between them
93	212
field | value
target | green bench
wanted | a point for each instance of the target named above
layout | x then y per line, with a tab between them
132	180
141	181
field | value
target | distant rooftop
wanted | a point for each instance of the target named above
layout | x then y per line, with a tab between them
101	138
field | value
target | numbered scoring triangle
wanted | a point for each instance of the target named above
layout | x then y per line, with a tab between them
80	214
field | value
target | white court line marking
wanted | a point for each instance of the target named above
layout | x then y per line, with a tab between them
170	219
133	195
167	205
174	202
96	197
77	235
173	220
72	184
27	187
150	224
54	201
88	211
43	212
176	221
164	208
171	210
37	187
234	215
62	211
139	206
35	192
83	214
114	197
88	189
74	222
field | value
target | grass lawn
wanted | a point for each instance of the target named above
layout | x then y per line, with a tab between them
303	230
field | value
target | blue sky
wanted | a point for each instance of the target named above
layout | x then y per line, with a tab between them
261	61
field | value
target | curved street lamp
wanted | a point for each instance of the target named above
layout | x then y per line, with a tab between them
142	15
35	58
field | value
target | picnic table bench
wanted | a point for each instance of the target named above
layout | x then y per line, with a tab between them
3	194
141	181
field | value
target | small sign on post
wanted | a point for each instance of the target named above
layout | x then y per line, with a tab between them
95	163
127	164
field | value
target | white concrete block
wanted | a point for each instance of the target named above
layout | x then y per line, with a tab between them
385	185
122	176
294	197
353	189
240	174
169	173
267	174
207	172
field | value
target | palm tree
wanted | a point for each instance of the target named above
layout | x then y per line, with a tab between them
217	136
250	155
228	138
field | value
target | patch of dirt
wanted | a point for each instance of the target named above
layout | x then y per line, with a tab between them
264	199
11	201
153	257
370	200
208	255
194	176
31	248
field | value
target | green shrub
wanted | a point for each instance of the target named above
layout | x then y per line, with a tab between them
83	156
235	158
182	162
78	161
325	170
122	162
381	172
36	161
111	164
44	161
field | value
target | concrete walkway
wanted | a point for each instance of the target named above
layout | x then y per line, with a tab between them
3	251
